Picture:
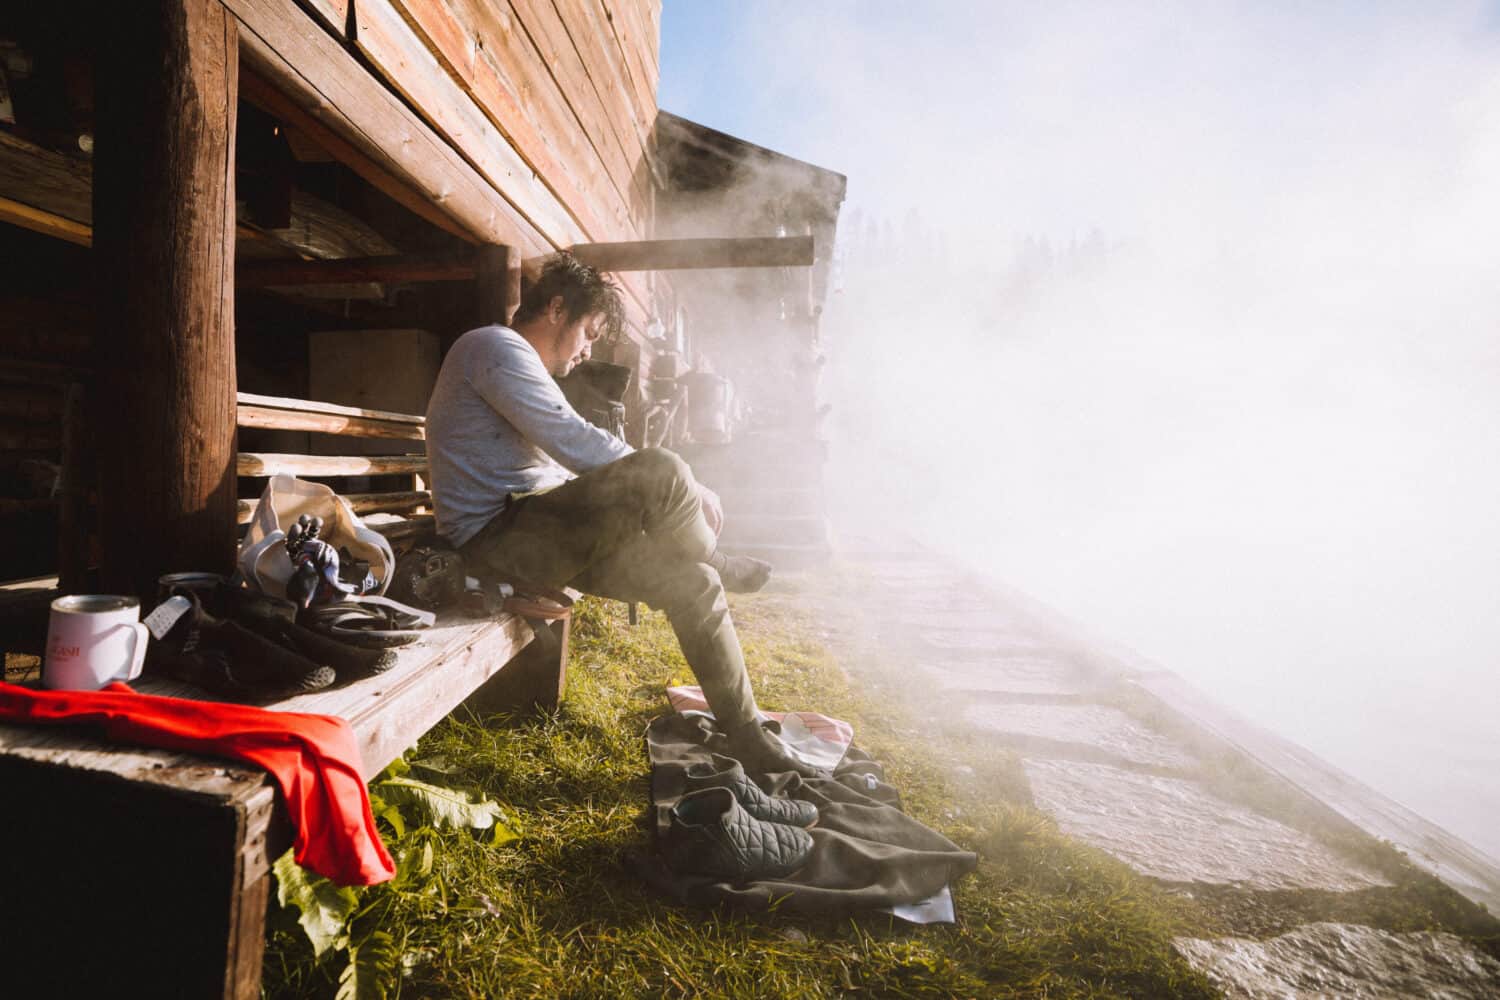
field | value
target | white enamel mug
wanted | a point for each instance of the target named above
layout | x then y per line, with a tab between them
93	639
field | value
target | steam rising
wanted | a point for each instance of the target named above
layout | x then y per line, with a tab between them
1183	318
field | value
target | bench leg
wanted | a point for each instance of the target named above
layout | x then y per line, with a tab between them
533	680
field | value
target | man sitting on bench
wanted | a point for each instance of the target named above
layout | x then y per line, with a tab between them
625	524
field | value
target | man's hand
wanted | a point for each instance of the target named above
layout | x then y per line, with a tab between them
713	509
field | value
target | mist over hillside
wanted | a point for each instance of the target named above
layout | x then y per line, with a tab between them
1183	318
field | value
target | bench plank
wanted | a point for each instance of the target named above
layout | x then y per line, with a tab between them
249	463
322	423
363	503
331	409
388	711
411	527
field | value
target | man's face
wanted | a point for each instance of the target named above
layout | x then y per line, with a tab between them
575	340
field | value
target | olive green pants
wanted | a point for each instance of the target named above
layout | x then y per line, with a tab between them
632	530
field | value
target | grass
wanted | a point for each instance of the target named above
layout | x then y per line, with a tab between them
558	913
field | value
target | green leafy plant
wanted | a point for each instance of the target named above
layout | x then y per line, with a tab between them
351	920
433	805
323	908
371	964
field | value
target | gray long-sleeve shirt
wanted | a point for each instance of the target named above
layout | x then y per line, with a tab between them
498	424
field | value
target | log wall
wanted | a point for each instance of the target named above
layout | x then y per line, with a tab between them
552	101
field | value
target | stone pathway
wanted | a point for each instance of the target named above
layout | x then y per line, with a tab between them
1112	778
1346	961
1177	831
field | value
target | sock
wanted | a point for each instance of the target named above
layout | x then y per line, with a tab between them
740	574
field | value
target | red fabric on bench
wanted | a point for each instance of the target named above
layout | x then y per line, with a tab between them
314	759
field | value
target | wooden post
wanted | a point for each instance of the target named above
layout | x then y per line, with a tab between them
494	300
164	227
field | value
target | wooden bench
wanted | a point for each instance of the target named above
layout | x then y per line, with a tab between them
128	866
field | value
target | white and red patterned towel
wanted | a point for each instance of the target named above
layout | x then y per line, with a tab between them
813	738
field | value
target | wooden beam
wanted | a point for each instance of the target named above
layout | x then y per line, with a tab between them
563	60
271	464
363	503
319	423
336	409
398	54
495	266
50	193
286	273
413	526
44	179
388	503
307	79
333	13
164	230
46	223
677	255
485	50
319	229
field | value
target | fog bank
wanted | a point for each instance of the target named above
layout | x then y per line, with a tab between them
1184	319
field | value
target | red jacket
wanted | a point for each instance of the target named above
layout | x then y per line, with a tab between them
313	758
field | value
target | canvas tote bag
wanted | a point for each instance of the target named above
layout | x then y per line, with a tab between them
263	560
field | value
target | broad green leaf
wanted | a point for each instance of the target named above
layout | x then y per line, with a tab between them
397	768
414	861
444	807
436	764
372	969
388	812
323	908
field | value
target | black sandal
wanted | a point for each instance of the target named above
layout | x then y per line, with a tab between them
369	622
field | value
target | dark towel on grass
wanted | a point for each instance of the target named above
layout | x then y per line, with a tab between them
867	853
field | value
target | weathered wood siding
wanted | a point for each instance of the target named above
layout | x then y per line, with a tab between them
552	101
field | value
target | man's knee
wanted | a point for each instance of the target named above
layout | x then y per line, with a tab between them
660	465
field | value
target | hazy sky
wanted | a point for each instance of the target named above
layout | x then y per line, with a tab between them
1256	435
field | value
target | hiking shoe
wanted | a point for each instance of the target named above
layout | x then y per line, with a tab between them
726	772
711	835
226	658
761	751
276	619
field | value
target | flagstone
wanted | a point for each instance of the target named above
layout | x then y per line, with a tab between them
1346	961
1099	727
1174	829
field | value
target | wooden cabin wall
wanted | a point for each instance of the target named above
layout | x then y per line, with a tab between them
553	101
46	325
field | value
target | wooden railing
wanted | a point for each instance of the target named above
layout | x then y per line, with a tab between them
284	414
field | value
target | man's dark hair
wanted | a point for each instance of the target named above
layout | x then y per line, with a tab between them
584	291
